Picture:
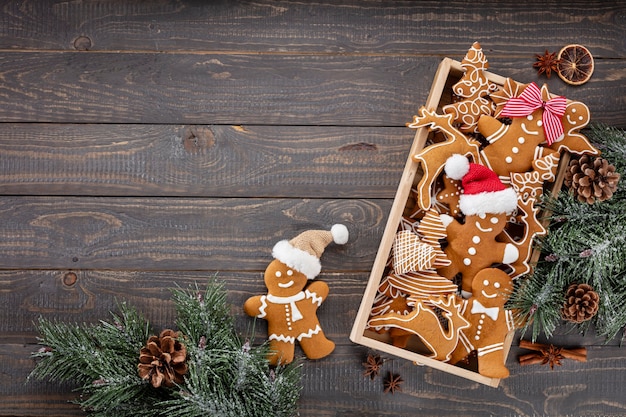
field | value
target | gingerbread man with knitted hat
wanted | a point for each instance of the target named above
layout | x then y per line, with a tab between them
290	305
486	203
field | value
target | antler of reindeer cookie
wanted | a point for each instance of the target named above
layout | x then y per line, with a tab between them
433	157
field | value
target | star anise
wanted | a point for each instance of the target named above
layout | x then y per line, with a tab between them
392	383
373	365
547	63
552	356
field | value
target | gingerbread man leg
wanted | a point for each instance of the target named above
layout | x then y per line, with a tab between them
280	352
491	361
317	346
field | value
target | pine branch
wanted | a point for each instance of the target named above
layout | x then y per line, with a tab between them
226	376
586	243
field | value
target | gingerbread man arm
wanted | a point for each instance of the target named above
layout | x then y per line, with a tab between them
253	305
506	253
319	288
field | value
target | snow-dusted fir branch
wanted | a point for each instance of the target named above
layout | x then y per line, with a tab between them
586	243
225	375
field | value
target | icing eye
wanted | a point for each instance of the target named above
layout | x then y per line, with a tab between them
493	220
539	123
278	274
497	285
485	283
482	215
289	272
529	117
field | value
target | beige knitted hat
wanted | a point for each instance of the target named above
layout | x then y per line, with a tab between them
304	251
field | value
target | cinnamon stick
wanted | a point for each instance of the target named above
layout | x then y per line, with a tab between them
530	359
578	354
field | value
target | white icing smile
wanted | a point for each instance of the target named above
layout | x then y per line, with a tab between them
487	230
528	132
488	296
286	284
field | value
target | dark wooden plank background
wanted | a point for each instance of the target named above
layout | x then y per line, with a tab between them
144	144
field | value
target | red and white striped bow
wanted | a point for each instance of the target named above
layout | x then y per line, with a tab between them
529	101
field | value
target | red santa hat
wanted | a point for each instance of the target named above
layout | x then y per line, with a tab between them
304	251
483	192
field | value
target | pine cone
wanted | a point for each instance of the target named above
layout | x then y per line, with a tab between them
591	179
581	303
163	360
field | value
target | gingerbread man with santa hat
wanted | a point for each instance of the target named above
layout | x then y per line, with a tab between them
487	204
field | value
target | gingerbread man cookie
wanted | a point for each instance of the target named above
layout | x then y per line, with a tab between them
514	147
486	203
489	323
290	306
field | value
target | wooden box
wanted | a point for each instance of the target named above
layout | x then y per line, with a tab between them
448	73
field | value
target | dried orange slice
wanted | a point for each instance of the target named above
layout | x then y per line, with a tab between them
576	64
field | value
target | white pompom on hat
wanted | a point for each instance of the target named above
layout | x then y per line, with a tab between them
483	192
304	251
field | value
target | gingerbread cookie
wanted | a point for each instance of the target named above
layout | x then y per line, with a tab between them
290	306
433	157
514	147
424	322
489	323
486	203
575	118
528	227
473	89
410	253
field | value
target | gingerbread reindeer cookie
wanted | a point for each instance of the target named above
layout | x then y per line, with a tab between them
290	305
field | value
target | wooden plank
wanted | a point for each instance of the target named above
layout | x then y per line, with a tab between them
177	234
248	89
78	296
348	26
201	161
334	384
218	89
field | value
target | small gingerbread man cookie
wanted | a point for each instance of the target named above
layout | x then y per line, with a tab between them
489	323
290	306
